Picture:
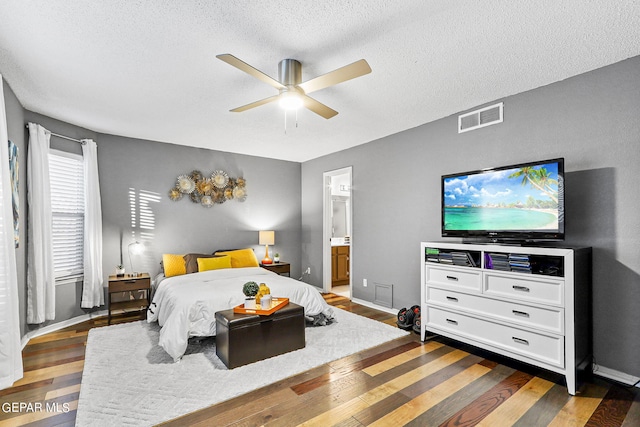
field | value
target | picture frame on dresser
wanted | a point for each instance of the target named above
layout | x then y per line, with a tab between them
529	303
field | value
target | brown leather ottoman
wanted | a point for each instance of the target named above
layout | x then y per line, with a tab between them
246	338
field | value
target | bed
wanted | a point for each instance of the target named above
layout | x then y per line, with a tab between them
185	305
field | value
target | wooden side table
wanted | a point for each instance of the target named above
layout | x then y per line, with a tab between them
281	268
134	287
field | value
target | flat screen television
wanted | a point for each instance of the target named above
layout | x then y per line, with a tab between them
522	202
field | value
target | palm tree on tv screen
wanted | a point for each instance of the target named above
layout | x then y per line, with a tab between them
538	178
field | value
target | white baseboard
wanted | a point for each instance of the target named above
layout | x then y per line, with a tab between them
614	375
60	325
374	306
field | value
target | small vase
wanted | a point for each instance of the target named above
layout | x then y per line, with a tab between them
119	272
276	259
250	302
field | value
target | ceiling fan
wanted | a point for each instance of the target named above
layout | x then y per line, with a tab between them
293	93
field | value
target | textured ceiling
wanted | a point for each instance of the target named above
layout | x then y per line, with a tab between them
147	69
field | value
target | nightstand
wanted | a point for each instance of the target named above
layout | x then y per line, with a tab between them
278	267
137	293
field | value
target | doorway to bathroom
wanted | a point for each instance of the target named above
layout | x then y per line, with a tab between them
337	229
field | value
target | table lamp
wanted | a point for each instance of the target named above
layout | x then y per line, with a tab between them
135	248
267	238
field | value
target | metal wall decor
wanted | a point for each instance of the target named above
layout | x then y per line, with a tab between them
217	188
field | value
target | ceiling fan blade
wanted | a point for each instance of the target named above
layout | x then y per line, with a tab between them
318	107
255	104
348	72
243	66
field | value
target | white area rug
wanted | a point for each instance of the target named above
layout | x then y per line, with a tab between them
128	379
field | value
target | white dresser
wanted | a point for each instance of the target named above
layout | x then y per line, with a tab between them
532	304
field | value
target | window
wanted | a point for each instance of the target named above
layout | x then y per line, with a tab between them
67	210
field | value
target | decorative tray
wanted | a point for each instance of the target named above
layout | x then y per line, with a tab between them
276	304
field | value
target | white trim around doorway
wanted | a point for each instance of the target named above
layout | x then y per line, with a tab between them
326	226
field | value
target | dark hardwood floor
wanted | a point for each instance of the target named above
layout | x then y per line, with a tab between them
403	382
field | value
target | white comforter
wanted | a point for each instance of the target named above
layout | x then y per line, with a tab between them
185	306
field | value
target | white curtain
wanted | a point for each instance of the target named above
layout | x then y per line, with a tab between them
10	347
92	292
41	285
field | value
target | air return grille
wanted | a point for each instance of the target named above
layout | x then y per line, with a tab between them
480	118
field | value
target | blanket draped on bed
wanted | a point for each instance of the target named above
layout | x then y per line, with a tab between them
185	306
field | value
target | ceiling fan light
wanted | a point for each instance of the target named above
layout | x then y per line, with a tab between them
290	101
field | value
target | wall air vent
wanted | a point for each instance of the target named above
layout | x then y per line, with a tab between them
480	118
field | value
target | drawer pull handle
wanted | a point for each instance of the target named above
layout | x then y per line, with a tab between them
520	313
452	278
452	299
520	340
520	288
453	322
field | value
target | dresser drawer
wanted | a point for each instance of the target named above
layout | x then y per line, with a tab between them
465	278
544	348
548	319
527	288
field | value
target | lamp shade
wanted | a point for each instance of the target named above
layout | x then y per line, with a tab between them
135	248
267	237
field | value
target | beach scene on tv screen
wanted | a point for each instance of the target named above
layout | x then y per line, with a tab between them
523	198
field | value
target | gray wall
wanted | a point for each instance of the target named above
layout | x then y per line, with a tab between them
16	130
135	173
138	173
592	120
66	294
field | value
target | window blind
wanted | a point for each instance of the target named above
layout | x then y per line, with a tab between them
67	210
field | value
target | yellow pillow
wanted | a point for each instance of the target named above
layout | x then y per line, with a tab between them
206	264
173	265
242	258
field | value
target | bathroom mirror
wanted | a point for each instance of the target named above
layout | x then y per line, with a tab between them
339	216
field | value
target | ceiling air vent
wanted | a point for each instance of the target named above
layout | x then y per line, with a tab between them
480	118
